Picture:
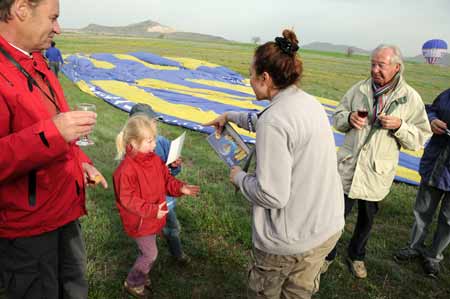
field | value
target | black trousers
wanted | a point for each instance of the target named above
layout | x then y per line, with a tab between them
51	265
366	214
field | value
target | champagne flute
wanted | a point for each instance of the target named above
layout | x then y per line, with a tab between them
84	140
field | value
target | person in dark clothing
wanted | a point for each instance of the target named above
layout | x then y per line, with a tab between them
434	189
54	57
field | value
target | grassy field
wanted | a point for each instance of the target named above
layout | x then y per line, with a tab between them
216	225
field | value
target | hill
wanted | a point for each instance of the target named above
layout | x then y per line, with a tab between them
329	47
148	28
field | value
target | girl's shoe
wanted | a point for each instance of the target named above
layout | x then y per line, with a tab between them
137	291
148	282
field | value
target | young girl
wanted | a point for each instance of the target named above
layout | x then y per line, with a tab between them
141	183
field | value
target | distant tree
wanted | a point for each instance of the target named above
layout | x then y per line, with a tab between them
350	51
256	39
161	36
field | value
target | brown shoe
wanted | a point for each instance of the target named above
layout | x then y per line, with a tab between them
137	291
358	268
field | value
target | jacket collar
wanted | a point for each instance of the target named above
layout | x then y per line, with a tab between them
138	156
36	60
17	54
280	95
366	89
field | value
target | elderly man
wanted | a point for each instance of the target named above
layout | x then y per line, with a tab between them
43	174
379	116
434	189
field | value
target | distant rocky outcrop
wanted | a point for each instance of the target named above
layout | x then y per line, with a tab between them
148	29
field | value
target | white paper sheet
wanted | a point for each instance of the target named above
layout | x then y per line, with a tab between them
175	148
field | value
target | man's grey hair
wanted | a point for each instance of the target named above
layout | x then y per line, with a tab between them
396	58
5	8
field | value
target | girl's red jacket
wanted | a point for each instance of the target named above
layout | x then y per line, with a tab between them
141	183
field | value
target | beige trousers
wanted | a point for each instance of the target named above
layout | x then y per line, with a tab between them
287	276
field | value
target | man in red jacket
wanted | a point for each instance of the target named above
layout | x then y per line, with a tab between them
43	174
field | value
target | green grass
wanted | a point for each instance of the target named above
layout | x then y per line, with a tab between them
217	225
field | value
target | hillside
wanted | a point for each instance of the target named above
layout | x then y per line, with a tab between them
329	47
148	29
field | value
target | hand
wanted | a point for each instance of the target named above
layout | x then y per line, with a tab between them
234	171
218	123
356	121
389	122
92	176
438	126
74	124
177	163
190	190
162	210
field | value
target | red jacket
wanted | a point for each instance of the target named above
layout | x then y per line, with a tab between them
141	183
41	180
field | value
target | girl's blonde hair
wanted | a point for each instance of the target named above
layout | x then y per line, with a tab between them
137	128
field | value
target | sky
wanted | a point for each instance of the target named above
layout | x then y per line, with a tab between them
360	23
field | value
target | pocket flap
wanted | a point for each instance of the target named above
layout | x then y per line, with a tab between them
384	166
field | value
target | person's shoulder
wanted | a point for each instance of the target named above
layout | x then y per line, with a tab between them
360	84
411	93
445	94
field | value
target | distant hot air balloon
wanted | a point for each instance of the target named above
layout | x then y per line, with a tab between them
432	50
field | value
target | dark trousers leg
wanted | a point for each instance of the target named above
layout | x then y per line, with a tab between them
72	265
366	214
29	266
349	202
50	265
441	237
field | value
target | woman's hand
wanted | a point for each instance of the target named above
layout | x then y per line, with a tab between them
234	171
190	190
218	123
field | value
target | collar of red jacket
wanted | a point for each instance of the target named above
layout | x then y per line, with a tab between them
37	60
138	156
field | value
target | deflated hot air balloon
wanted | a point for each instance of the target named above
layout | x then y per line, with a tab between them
432	50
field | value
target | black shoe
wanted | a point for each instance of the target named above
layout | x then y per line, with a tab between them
431	268
406	254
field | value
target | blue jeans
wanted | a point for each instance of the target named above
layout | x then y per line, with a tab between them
171	233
